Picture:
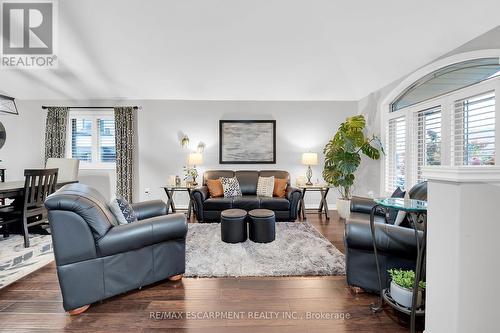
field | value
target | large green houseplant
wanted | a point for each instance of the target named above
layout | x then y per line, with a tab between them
343	157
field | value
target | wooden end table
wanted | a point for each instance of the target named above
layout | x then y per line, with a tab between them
170	190
323	205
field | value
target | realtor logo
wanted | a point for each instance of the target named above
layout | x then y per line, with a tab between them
28	34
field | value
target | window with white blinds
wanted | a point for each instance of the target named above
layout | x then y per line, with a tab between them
107	151
395	154
81	139
473	130
92	139
428	139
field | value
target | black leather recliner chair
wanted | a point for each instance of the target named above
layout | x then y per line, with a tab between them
209	209
96	259
396	245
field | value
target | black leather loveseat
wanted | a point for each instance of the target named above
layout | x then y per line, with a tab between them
396	245
209	209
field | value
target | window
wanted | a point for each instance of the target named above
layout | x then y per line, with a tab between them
447	79
457	128
91	138
107	151
396	154
428	139
473	130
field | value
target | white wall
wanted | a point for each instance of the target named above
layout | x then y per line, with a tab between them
24	145
462	247
300	127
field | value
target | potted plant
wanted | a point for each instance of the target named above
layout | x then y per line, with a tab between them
402	287
343	157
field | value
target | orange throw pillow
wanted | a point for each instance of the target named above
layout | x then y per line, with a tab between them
280	186
215	188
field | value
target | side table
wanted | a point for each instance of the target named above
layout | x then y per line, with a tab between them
323	205
170	190
417	212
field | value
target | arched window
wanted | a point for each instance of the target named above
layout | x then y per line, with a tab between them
446	80
447	117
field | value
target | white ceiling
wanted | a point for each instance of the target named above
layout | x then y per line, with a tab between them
246	50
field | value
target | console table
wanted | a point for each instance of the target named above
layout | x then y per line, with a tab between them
323	189
417	212
170	190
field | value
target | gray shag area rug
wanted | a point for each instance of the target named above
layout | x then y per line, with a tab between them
298	250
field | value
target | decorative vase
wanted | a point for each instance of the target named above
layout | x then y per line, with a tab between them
404	296
344	208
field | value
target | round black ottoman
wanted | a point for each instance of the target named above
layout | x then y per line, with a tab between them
233	225
262	225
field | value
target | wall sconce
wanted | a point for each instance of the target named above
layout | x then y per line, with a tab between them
200	148
184	141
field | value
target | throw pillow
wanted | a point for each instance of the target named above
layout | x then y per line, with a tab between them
401	214
265	186
231	187
280	186
122	211
215	188
393	213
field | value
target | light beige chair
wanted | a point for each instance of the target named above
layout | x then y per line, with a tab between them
68	168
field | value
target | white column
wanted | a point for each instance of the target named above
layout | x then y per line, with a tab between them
463	249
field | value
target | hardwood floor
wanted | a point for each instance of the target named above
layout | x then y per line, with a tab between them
34	304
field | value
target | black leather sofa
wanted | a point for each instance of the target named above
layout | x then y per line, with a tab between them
96	259
208	209
396	244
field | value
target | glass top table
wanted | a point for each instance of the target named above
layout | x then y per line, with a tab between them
417	212
407	205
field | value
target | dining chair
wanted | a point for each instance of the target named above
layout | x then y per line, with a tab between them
68	168
38	184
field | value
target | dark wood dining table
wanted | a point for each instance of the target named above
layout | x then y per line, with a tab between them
15	189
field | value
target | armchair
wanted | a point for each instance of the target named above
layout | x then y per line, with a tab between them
98	259
396	244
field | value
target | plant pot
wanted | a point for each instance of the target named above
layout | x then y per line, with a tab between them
404	296
344	208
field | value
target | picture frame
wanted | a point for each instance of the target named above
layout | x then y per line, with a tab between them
247	141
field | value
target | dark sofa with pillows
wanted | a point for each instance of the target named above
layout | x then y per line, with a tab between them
396	244
208	206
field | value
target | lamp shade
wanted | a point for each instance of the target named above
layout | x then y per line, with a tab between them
195	159
310	158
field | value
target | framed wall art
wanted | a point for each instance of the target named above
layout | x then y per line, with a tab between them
247	141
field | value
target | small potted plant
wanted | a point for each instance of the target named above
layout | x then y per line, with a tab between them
190	175
402	287
343	157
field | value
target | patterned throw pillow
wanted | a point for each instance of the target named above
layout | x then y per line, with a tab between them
231	187
265	186
122	211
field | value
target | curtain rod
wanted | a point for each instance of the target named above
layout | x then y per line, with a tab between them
85	107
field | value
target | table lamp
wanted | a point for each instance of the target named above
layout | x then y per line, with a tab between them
194	160
309	159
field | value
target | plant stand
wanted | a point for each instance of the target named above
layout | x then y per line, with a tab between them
417	211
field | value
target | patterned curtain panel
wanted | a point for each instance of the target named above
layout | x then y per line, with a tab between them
55	132
124	132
